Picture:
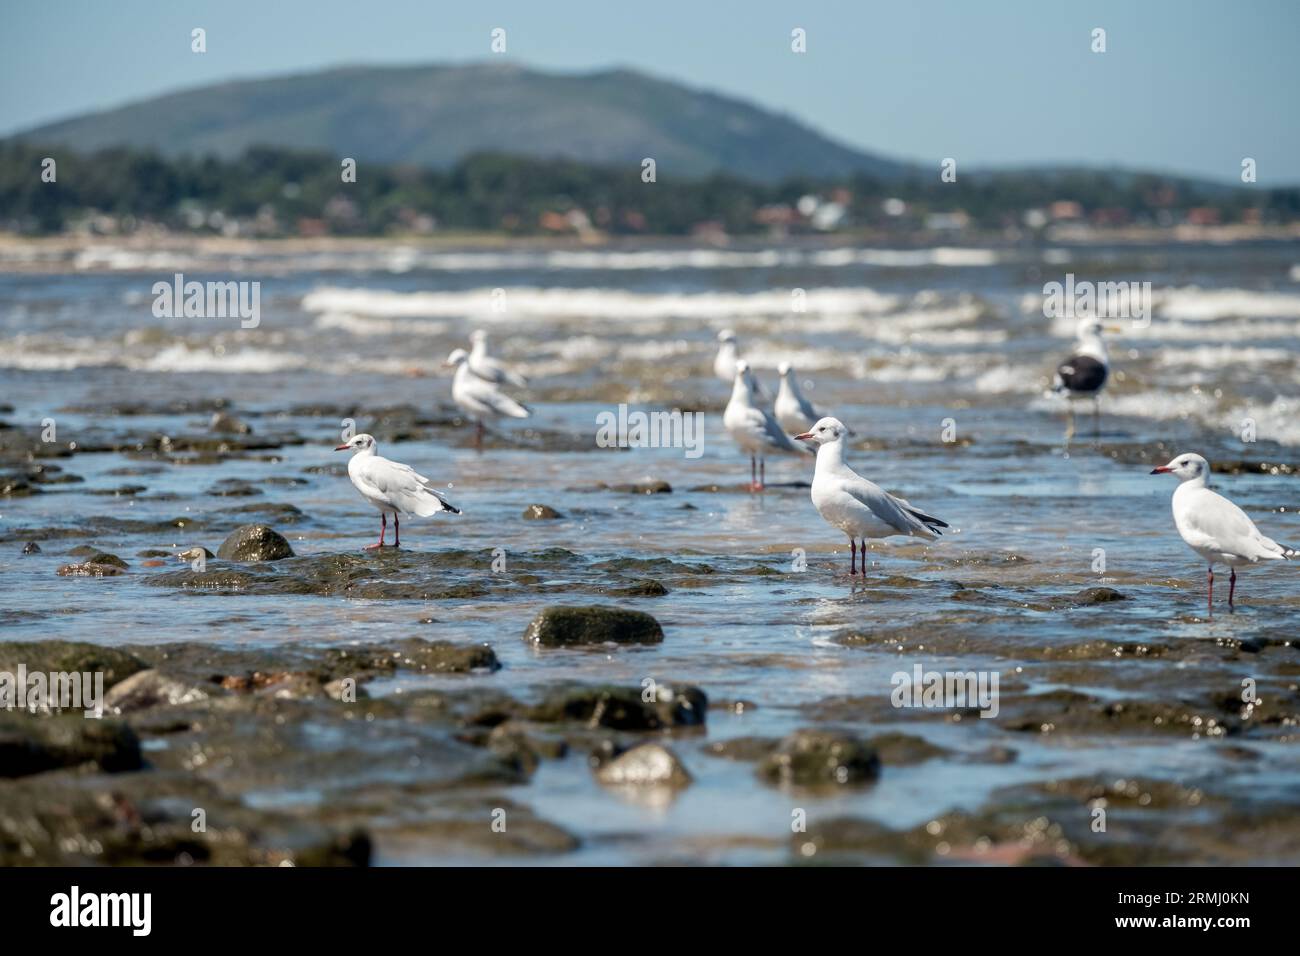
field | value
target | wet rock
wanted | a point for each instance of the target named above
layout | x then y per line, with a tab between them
541	513
47	473
233	488
229	424
1071	712
34	745
255	542
69	656
624	708
16	486
217	579
31	547
413	654
564	626
150	688
644	486
649	764
67	819
994	755
862	840
103	557
509	742
121	491
1097	595
820	759
898	749
747	749
88	570
345	689
647	588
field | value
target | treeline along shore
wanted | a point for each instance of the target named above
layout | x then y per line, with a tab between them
279	193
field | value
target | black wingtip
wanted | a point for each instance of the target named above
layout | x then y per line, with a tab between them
930	520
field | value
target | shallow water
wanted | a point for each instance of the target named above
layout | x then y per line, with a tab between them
895	344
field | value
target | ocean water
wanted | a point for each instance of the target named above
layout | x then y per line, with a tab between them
908	347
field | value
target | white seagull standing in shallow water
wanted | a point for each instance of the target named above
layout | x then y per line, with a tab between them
1214	527
488	368
859	508
479	398
1085	372
752	428
792	410
391	487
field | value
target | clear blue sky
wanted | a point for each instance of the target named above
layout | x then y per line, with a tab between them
1188	86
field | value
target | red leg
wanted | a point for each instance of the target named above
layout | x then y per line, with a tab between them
853	557
753	474
762	473
383	526
1209	574
1232	587
862	557
397	531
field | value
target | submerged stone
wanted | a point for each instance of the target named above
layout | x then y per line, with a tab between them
31	744
820	758
541	513
625	708
565	626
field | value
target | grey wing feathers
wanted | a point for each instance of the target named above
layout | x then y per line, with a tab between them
893	511
776	436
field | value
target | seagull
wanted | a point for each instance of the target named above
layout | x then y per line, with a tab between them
792	410
488	368
1084	373
859	508
391	487
1214	527
479	398
724	363
752	428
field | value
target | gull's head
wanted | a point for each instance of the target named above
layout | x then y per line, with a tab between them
785	368
477	336
727	335
357	443
824	432
1093	328
1185	467
455	358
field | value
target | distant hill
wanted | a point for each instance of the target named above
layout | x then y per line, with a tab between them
433	116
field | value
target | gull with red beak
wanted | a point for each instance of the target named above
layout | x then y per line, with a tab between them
856	506
391	487
1214	527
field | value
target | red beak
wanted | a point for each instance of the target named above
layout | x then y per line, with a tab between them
806	436
1162	470
342	447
